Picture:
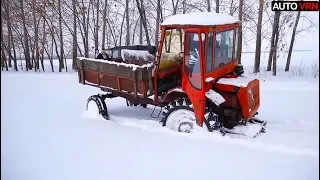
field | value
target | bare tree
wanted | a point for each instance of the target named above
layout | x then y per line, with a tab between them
258	41
209	6
14	51
141	31
74	36
104	27
292	40
10	39
127	24
273	37
96	29
274	44
26	39
84	29
240	32
36	38
121	28
157	24
217	6
142	12
61	65
3	55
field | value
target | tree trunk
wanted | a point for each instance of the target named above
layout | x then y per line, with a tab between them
104	28
3	55
184	7
143	19
74	37
274	67
61	64
41	57
127	24
231	7
208	6
121	28
86	52
50	58
134	31
9	32
57	51
4	60
65	62
43	41
14	53
26	39
157	24
272	44
36	36
52	43
96	36
141	31
240	32
292	41
85	26
32	54
10	35
217	6
258	41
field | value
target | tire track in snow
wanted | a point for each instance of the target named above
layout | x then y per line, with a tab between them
155	126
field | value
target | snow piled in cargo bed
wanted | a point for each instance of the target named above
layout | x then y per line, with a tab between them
139	54
133	66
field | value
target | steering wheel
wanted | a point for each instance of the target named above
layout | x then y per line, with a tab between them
180	55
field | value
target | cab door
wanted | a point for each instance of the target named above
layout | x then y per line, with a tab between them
192	72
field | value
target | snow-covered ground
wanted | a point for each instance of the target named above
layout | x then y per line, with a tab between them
46	135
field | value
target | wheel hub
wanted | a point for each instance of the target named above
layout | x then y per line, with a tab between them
181	120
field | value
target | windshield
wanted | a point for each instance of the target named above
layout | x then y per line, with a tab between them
173	42
116	54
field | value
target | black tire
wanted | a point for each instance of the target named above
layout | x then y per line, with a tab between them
144	105
174	106
212	120
101	105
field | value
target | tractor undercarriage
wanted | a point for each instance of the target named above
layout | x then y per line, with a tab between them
179	116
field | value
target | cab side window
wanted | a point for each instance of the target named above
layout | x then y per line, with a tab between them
192	59
209	58
223	49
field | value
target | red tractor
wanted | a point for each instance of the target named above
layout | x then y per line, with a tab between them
194	76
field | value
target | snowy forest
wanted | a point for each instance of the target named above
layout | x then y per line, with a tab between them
33	31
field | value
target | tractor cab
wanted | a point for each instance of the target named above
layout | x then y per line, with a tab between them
202	44
196	50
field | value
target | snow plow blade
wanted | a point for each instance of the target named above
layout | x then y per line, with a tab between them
252	129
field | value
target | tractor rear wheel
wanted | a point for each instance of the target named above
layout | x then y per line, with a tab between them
179	116
97	105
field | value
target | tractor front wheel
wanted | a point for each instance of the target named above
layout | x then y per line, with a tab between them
179	116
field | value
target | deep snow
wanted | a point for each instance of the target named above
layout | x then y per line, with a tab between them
46	135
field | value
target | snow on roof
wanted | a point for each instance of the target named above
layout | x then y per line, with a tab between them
200	18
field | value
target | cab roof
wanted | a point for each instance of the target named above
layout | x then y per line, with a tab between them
200	19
